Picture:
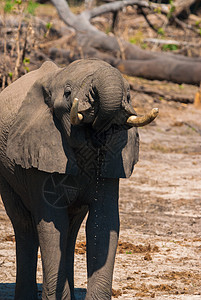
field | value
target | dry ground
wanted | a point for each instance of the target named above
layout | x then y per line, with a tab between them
160	209
160	205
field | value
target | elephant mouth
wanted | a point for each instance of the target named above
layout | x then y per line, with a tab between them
77	118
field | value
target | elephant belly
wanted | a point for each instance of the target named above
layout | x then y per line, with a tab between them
60	191
56	190
14	176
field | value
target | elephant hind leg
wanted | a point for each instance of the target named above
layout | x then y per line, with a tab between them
26	243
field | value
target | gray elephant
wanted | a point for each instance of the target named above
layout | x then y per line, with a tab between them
66	137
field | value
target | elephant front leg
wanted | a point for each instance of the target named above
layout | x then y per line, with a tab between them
102	238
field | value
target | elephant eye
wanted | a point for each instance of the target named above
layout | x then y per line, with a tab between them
128	97
67	93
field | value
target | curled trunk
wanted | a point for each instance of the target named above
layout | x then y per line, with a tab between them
108	85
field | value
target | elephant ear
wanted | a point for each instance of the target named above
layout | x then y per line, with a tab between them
35	138
122	151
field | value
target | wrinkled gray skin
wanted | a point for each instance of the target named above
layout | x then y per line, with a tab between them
52	173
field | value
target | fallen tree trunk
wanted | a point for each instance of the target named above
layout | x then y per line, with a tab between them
183	6
154	68
161	94
133	60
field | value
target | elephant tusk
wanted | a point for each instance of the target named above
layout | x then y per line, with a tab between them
75	116
144	120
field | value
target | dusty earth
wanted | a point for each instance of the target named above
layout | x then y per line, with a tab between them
160	210
160	205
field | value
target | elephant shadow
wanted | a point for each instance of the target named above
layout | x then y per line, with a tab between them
7	292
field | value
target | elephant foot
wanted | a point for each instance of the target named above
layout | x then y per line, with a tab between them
56	295
25	292
98	295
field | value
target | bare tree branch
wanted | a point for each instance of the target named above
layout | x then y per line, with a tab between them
74	20
118	5
147	20
136	61
79	22
171	42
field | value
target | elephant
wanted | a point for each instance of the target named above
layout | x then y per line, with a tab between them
66	137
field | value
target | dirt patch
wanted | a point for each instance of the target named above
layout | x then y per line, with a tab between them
160	204
8	238
159	249
116	293
123	247
80	248
129	248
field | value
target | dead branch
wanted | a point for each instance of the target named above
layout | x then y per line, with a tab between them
185	26
153	68
82	23
137	62
114	20
171	42
119	5
141	10
19	52
160	94
183	5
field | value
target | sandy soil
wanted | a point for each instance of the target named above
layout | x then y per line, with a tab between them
160	209
160	205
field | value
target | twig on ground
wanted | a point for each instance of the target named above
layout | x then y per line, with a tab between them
193	128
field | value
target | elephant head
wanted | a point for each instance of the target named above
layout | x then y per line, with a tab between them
71	113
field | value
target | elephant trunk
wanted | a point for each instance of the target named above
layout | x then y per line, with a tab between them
108	86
